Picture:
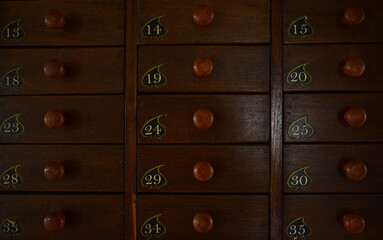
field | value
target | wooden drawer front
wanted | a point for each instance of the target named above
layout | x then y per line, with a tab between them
83	168
333	168
84	214
325	118
234	217
235	69
324	21
87	23
321	68
233	22
203	169
236	119
324	216
88	119
93	70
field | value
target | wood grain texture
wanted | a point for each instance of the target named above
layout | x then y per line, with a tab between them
87	23
325	115
325	17
89	119
324	215
234	21
84	214
88	168
325	66
236	69
236	118
237	169
87	70
235	217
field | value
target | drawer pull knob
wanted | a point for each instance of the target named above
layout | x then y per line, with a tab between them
355	170
203	118
203	222
54	222
353	16
354	67
203	15
355	117
54	69
54	119
54	171
203	171
353	223
203	67
55	19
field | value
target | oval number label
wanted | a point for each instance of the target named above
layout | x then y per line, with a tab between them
12	127
154	78
13	31
153	128
300	128
299	76
153	227
154	178
11	178
10	227
300	28
298	229
299	179
12	80
154	29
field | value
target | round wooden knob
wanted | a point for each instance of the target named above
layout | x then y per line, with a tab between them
54	119
355	170
353	16
203	15
54	171
55	19
355	117
203	67
203	222
354	67
203	171
353	223
54	222
203	118
54	69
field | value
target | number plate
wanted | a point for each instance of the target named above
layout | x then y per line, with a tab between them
11	126
154	78
298	229
154	178
10	227
154	29
11	178
12	80
13	31
300	128
153	227
153	128
299	179
300	28
299	76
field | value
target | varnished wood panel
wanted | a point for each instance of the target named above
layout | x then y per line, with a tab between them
234	217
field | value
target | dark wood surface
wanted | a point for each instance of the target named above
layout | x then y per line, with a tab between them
325	115
324	215
87	23
325	17
236	118
235	69
89	119
234	21
87	216
88	168
237	169
87	70
325	66
234	217
326	164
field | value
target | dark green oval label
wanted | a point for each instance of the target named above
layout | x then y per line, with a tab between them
154	28
300	28
299	76
154	178
12	80
153	227
299	179
153	128
298	229
12	127
154	78
10	227
300	129
13	31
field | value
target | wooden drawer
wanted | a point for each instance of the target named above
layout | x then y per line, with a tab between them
333	168
99	22
203	169
329	68
246	217
219	69
322	21
242	118
322	118
84	214
88	119
62	71
171	21
323	216
37	168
